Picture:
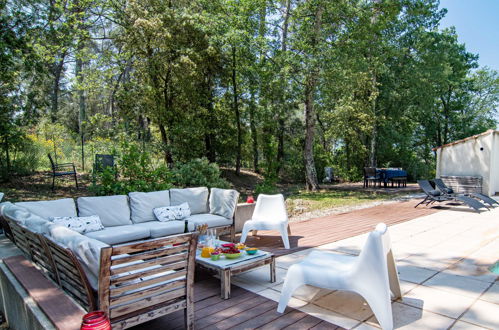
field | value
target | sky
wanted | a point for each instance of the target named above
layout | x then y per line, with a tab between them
477	26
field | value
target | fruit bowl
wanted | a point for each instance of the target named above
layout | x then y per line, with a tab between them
251	251
232	255
240	246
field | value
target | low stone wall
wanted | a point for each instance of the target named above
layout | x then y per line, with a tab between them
19	309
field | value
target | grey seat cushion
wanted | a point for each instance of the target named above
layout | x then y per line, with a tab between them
112	210
119	234
160	229
212	220
142	204
56	208
223	202
197	198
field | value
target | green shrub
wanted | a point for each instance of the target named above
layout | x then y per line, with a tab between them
268	186
198	173
134	171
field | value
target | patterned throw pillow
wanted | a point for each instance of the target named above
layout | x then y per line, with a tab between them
81	225
169	213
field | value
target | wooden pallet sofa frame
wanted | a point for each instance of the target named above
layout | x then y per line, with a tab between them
138	281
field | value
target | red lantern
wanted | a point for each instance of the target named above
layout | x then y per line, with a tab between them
95	321
250	199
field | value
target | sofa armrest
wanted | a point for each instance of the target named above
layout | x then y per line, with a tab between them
244	212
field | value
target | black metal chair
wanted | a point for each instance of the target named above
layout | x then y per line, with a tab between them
440	184
371	175
433	195
102	162
65	169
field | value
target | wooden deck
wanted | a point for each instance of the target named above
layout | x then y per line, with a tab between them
247	310
314	232
244	310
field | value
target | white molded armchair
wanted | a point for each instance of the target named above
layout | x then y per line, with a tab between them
372	274
270	214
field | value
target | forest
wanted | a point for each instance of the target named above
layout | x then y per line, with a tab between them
177	88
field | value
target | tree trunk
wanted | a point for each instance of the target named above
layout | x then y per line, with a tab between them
236	112
310	85
81	107
282	111
209	138
310	171
166	145
374	132
57	71
372	150
254	134
7	155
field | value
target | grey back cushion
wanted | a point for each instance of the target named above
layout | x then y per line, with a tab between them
143	203
56	208
112	210
86	249
197	198
223	202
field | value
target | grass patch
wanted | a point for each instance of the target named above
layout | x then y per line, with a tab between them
303	201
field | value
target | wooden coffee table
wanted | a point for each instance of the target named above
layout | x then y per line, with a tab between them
225	268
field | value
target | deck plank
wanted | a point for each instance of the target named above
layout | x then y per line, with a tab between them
248	314
325	326
307	322
244	309
285	320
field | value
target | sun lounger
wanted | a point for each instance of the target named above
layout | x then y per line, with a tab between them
439	183
433	195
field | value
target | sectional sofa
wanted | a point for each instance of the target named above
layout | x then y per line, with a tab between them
129	226
125	218
130	218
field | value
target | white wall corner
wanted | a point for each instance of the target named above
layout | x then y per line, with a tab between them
439	159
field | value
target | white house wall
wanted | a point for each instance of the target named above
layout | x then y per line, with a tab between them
468	158
494	172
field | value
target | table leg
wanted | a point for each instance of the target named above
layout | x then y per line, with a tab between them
225	284
272	270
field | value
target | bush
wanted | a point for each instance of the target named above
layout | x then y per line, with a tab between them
268	186
134	172
25	157
198	173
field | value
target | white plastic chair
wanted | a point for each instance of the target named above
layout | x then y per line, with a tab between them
372	275
270	214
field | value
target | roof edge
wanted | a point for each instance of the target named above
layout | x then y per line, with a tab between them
466	139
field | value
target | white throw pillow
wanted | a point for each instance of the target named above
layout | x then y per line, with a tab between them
169	213
81	225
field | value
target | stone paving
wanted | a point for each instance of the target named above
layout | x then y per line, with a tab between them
443	261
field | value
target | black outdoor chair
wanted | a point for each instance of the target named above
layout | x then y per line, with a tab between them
102	162
371	175
433	195
65	169
440	184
